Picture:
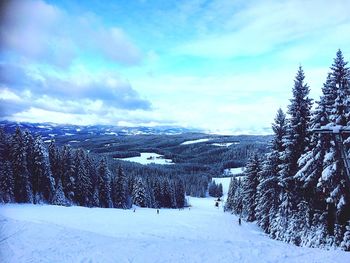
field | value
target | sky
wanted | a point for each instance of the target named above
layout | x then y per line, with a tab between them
222	66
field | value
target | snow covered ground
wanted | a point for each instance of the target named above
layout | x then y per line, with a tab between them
225	144
34	233
233	171
195	141
147	158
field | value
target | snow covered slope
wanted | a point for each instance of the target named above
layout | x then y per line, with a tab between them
31	233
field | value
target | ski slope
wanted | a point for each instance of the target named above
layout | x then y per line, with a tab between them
46	233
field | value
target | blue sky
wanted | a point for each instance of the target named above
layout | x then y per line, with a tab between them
222	66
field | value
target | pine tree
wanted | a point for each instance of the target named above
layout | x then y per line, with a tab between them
96	198
157	191
83	193
22	189
340	75
268	189
166	200
238	198
219	191
345	244
91	169
68	173
6	174
104	176
212	189
231	194
59	197
298	135
7	183
42	180
119	195
180	194
55	161
321	171
30	161
250	185
139	193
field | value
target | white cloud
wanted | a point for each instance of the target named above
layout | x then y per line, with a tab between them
41	32
263	26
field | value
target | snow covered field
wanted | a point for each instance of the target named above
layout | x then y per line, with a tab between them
225	144
233	171
34	233
195	141
147	158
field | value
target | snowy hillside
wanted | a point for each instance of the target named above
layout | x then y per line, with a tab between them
204	233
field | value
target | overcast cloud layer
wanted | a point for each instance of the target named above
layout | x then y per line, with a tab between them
223	66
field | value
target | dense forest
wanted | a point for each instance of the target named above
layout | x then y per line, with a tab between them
299	192
32	172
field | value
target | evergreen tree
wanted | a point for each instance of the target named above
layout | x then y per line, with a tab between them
119	195
55	161
180	194
212	189
42	180
238	198
298	135
29	152
345	244
166	195
6	174
231	194
157	193
7	183
91	169
340	75
83	193
139	193
96	198
219	191
251	182
321	171
68	173
22	188
104	176
59	197
268	189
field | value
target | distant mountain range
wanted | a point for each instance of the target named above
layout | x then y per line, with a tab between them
49	130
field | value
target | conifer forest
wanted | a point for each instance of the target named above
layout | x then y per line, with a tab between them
175	131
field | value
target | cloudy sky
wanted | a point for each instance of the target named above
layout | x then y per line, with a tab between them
223	66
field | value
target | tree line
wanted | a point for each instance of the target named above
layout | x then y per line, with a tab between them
33	172
298	192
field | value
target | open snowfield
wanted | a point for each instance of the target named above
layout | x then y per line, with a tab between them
233	171
34	233
148	158
195	141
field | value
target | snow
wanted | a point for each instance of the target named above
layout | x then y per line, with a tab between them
148	158
203	233
224	144
111	133
233	171
44	127
195	141
68	134
73	141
